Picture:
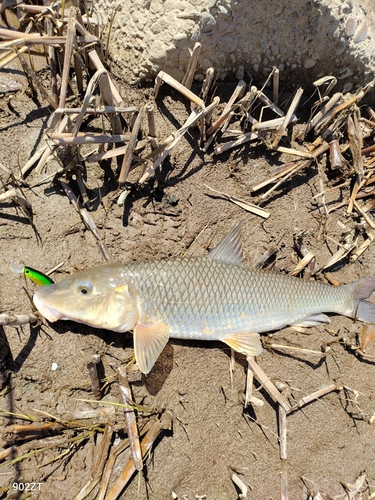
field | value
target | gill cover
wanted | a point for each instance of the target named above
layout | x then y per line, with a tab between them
101	297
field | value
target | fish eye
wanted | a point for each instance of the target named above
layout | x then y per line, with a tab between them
85	289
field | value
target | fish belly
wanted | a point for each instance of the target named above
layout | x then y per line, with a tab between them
206	299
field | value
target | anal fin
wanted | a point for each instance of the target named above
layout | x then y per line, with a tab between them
313	320
150	339
245	343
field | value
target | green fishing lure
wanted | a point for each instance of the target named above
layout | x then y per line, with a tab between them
35	276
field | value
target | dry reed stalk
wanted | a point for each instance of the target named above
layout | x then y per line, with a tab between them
207	82
275	85
250	207
268	124
82	138
316	395
299	166
92	368
151	120
95	59
13	55
52	60
28	70
283	453
240	485
288	117
337	110
320	117
272	345
87	100
288	167
365	215
130	418
86	217
128	156
112	153
294	152
164	423
265	382
249	136
35	39
70	35
192	66
330	80
265	100
99	464
171	141
359	251
107	96
303	263
335	158
164	77
17	319
320	150
223	120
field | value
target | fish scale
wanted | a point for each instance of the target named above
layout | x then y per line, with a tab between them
196	294
209	298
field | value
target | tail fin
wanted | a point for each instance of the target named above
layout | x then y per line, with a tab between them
362	289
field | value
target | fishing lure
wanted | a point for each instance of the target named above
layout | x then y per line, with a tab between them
35	276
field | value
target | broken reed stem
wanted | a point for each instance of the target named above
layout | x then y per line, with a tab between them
283	453
52	59
98	465
249	136
27	69
299	166
321	115
266	383
291	166
17	319
70	33
128	156
192	66
21	38
87	99
107	96
95	59
151	120
130	418
223	120
163	424
92	368
288	117
86	217
207	82
165	148
316	395
275	86
66	138
162	76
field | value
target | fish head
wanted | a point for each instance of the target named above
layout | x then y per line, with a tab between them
102	297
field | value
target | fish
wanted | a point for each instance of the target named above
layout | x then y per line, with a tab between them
211	297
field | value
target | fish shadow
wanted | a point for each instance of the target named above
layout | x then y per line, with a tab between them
160	371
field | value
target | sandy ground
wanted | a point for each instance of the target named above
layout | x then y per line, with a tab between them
329	441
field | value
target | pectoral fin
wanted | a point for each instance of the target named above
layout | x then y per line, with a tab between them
149	340
313	320
245	343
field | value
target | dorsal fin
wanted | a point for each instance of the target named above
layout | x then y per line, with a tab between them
230	247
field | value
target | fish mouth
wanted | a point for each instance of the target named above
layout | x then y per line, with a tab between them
48	312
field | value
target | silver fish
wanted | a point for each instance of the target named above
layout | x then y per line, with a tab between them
207	298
